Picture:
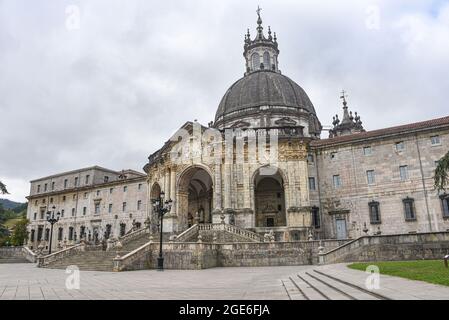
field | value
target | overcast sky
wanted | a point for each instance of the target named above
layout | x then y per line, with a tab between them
109	86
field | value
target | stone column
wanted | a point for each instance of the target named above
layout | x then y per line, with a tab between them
227	186
217	188
173	190
167	184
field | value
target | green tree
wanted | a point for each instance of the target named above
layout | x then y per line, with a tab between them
20	233
442	173
3	189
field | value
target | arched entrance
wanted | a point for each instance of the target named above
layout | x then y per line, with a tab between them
195	193
269	199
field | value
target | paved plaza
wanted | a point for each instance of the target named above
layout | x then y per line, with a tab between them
25	281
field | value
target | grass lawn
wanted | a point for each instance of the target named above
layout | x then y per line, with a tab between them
432	271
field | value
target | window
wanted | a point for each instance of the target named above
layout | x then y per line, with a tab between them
39	233
110	208
435	140
125	188
85	195
65	183
255	59
370	177
62	213
333	155
98	193
122	229
74	197
53	186
337	181
60	233
139	187
409	209
124	206
312	184
97	208
51	200
70	233
63	198
35	216
400	146
38	188
310	159
35	203
73	212
76	181
139	204
445	203
106	179
43	200
316	217
266	60
42	214
87	179
374	212
367	151
110	190
403	172
47	234
32	235
45	187
84	211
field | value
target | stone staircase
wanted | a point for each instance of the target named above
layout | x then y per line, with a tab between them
321	285
221	231
98	260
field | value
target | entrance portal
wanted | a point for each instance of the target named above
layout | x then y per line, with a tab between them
269	200
195	192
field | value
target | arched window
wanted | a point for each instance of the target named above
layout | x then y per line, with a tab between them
255	58
266	60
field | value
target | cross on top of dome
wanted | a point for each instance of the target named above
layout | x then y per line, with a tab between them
261	52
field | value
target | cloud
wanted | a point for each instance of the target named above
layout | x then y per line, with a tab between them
114	90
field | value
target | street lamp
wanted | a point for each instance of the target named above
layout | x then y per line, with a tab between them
161	208
52	220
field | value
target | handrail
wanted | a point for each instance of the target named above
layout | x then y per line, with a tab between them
186	234
44	260
231	229
29	255
121	262
132	235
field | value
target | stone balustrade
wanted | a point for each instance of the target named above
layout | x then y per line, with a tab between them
58	255
188	234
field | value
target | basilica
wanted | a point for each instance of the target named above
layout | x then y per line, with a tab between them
264	164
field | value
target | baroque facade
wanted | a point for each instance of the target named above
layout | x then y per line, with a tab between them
262	165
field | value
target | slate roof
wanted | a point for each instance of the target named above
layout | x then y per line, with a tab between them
263	88
412	127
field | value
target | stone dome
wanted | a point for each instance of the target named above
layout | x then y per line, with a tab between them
262	88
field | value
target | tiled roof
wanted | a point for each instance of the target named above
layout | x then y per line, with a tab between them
429	124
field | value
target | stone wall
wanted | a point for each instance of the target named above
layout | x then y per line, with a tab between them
391	248
188	256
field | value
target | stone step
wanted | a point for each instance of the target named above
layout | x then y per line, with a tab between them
305	288
352	292
292	291
359	290
315	285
